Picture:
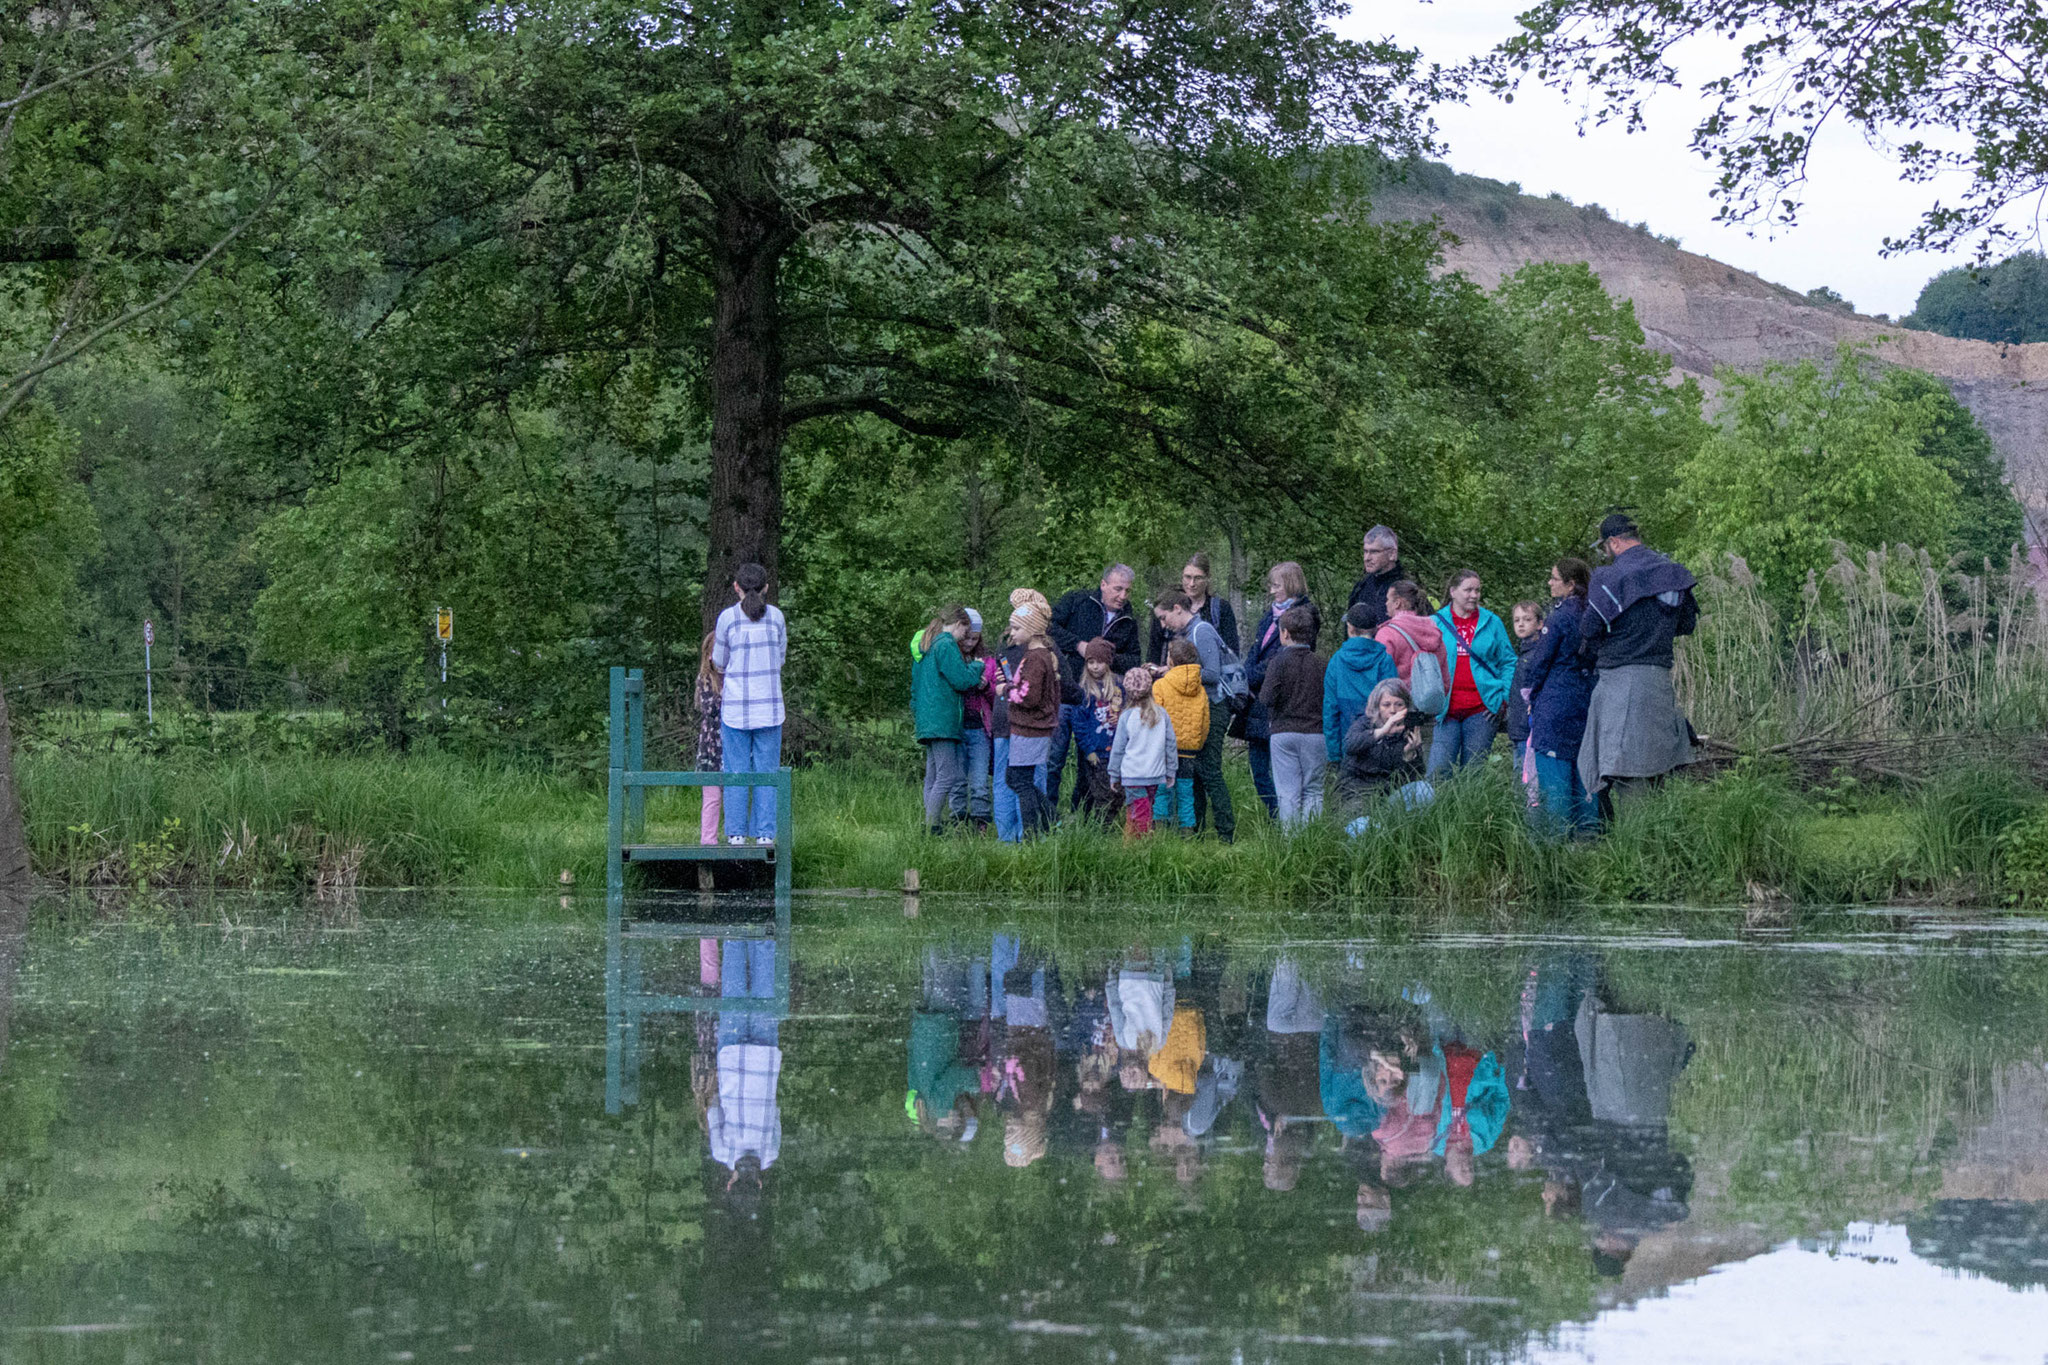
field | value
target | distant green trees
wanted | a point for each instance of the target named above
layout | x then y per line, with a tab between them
2006	303
1804	456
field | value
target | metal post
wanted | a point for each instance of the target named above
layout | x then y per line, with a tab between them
615	812
636	752
148	676
614	1007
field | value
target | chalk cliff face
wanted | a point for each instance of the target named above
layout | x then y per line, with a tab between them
1703	313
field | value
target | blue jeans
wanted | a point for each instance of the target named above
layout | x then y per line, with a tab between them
1009	819
1055	769
1260	752
1567	809
974	750
1459	742
746	967
751	751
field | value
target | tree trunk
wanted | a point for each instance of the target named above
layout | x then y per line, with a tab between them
1234	573
744	519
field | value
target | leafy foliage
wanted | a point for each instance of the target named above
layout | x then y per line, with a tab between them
1804	457
2007	303
1946	88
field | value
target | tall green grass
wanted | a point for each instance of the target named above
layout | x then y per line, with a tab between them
274	822
1749	835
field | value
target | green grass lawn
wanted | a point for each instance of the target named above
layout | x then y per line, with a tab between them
134	820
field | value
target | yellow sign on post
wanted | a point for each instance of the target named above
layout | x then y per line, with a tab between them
444	624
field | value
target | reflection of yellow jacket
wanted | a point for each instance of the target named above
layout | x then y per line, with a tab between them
1179	692
1187	1042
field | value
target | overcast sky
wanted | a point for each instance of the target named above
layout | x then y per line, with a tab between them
1853	200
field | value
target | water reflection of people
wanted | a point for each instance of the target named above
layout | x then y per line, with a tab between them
1596	1096
1361	1074
947	1033
1025	1074
1288	1078
745	1125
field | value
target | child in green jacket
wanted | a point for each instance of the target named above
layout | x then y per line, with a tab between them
939	675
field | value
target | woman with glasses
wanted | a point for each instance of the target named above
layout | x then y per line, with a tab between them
1194	581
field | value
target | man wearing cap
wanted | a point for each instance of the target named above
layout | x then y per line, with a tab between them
1077	618
1641	602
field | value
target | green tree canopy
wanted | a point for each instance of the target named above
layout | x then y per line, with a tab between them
2006	303
1803	457
1989	519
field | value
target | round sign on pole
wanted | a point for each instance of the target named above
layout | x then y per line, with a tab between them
148	632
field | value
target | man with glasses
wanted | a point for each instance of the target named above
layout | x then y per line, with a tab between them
1383	569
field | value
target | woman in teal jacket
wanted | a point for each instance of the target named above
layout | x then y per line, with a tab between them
1482	656
938	678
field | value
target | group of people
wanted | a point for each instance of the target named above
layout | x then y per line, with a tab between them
1582	685
1171	1044
1186	1057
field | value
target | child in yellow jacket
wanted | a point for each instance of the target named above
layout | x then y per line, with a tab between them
1179	692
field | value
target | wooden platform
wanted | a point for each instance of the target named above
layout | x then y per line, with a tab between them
669	853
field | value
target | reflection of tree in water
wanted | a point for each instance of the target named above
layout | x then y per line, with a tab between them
1992	1214
2002	1239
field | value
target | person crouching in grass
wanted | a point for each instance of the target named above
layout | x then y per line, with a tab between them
1178	690
1091	718
1383	750
1145	757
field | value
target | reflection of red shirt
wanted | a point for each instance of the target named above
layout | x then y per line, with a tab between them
1459	1064
1465	692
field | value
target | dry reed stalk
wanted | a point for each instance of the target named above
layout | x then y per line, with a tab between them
1887	652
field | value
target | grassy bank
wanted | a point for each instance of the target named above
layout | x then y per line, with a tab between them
110	822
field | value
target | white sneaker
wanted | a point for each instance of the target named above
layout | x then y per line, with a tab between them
737	840
765	840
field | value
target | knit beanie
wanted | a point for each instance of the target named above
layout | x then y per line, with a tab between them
1136	681
1031	597
974	620
1033	620
1098	650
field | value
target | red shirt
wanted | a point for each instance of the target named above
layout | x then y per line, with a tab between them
1464	691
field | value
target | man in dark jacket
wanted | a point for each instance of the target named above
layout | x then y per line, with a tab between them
1639	605
1383	569
1077	618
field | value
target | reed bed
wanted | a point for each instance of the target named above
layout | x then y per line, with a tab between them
1891	665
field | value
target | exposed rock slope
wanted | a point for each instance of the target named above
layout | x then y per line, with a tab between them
1704	313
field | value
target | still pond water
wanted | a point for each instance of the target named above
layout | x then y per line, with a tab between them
450	1131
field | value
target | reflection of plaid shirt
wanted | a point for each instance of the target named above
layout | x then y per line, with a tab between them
750	654
746	1117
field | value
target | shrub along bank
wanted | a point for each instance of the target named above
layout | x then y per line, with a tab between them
1749	835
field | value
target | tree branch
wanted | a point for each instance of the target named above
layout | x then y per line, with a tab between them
17	387
147	40
813	408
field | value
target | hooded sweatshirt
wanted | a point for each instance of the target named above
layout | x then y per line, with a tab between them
937	679
1423	631
1144	755
1180	691
1360	664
